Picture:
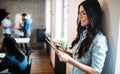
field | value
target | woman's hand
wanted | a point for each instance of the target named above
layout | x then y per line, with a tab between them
62	49
63	56
59	47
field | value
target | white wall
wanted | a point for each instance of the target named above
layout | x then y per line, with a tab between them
117	71
112	12
72	17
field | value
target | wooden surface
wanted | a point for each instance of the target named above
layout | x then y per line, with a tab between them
40	62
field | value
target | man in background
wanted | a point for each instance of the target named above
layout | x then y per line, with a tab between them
26	30
7	25
26	25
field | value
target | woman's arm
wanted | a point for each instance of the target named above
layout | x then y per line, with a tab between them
84	68
98	55
66	58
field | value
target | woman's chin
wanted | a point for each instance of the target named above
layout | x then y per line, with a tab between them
82	25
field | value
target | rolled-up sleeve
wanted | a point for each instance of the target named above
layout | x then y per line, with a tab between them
3	23
99	50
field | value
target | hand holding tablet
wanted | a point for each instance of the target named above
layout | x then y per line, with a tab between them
52	45
56	45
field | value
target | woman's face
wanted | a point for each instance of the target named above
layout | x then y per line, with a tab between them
83	17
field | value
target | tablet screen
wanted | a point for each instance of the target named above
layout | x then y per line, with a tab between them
52	45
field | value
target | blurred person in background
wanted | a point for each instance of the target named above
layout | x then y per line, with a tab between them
7	25
26	28
14	60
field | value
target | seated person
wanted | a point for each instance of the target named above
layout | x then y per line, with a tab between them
15	61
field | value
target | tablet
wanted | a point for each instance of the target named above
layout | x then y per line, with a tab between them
52	45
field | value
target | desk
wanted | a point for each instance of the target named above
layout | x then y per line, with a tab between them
24	44
2	55
22	40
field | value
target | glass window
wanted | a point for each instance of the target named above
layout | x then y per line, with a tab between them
65	20
61	20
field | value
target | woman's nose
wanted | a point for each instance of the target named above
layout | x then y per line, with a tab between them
80	16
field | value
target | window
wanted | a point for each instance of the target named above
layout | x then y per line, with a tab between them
65	20
58	26
61	19
48	15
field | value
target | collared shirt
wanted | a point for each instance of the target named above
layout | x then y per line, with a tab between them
6	22
96	54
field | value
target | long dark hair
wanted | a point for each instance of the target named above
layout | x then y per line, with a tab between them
9	45
94	14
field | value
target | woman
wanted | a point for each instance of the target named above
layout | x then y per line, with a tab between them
15	61
90	44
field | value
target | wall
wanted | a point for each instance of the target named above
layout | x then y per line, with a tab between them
112	13
34	7
117	71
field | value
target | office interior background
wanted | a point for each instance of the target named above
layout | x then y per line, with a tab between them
58	18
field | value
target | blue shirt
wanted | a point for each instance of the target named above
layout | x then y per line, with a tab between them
6	23
26	27
13	65
96	54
